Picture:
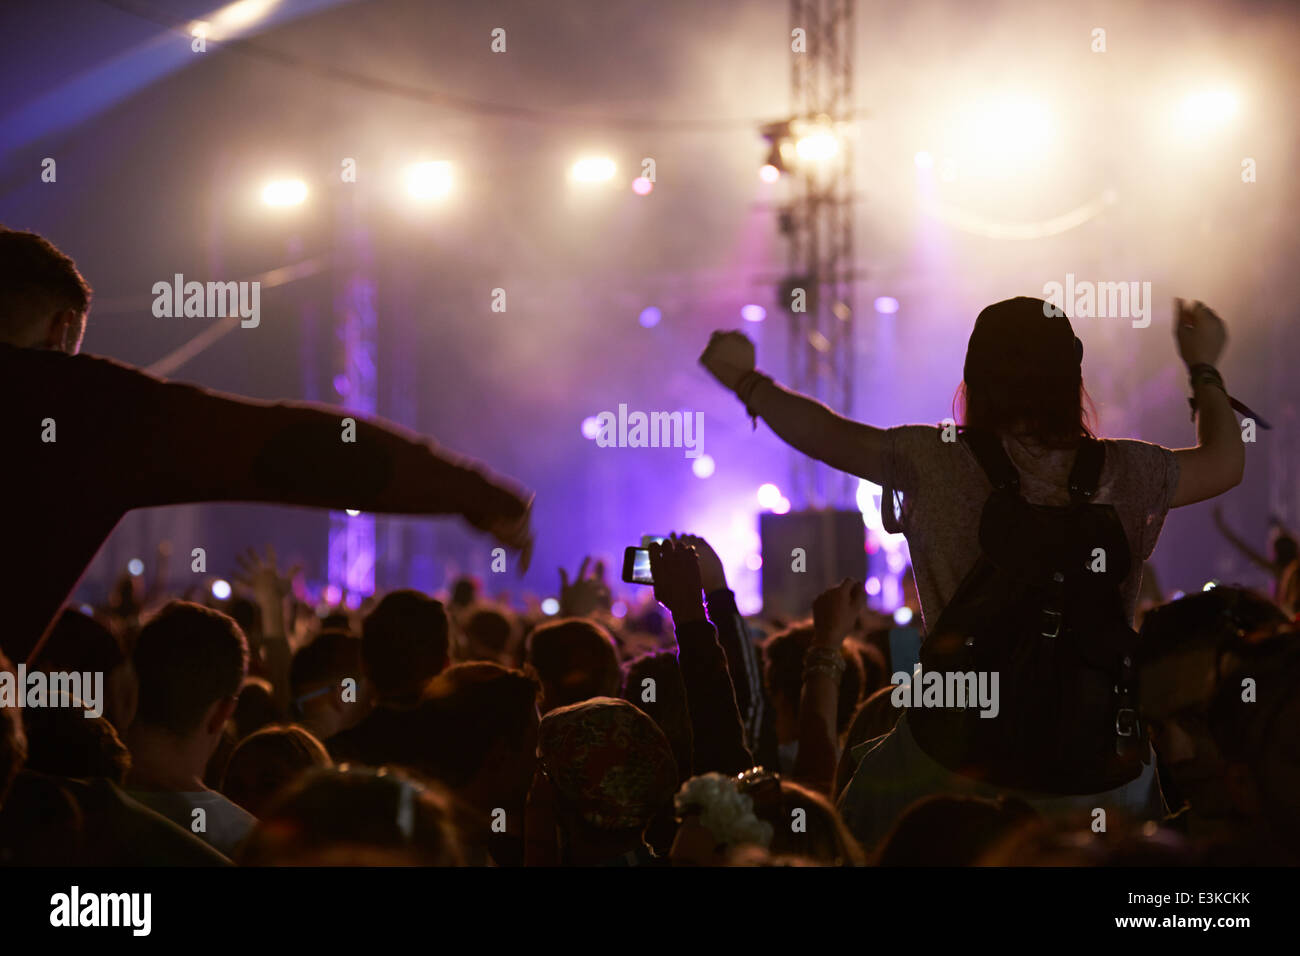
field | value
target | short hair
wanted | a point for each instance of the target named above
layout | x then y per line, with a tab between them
64	741
349	817
331	657
35	278
1207	620
952	830
13	742
187	658
576	660
404	643
468	708
78	642
783	654
267	761
489	630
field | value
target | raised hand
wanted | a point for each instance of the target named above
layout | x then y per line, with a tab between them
711	574
835	610
676	569
515	534
262	576
1200	334
729	356
583	595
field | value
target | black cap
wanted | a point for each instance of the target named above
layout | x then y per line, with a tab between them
1022	338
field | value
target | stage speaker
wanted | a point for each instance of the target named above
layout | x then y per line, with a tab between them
804	553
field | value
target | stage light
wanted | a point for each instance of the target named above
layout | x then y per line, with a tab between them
703	466
351	512
817	144
220	589
285	192
593	169
873	586
753	313
1206	110
782	507
903	616
886	304
769	496
87	610
642	186
590	427
550	607
333	594
1178	595
923	160
650	317
429	180
618	609
769	173
754	561
135	567
1210	585
1003	136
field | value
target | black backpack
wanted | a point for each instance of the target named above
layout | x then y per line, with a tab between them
1039	610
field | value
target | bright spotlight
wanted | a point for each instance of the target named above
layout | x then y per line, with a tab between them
873	586
135	567
886	304
285	192
817	145
1004	136
593	169
703	466
753	313
618	609
590	427
769	174
352	512
550	606
903	616
428	180
220	589
923	160
782	507
642	186
650	317
754	561
769	496
1207	110
1210	585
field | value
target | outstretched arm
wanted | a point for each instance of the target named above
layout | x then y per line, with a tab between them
1218	461
187	444
1249	553
803	423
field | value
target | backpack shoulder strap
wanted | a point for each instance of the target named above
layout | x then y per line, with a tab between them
1086	473
992	457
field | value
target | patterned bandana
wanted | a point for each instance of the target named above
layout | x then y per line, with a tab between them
609	760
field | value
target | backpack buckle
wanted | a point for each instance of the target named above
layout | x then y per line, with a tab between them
1125	721
1052	619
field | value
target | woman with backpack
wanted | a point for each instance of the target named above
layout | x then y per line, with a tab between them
1027	537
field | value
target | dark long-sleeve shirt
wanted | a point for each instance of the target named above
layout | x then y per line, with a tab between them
742	662
124	439
715	720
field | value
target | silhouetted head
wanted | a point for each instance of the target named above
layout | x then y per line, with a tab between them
1023	373
43	298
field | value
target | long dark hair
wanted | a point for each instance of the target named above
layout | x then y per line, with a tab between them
1023	375
1055	412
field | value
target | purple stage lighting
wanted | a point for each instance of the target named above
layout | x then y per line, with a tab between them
650	317
753	313
886	304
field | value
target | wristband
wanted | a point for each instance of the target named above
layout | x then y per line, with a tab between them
1202	373
745	391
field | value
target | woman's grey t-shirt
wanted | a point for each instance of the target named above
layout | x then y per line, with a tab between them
941	491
